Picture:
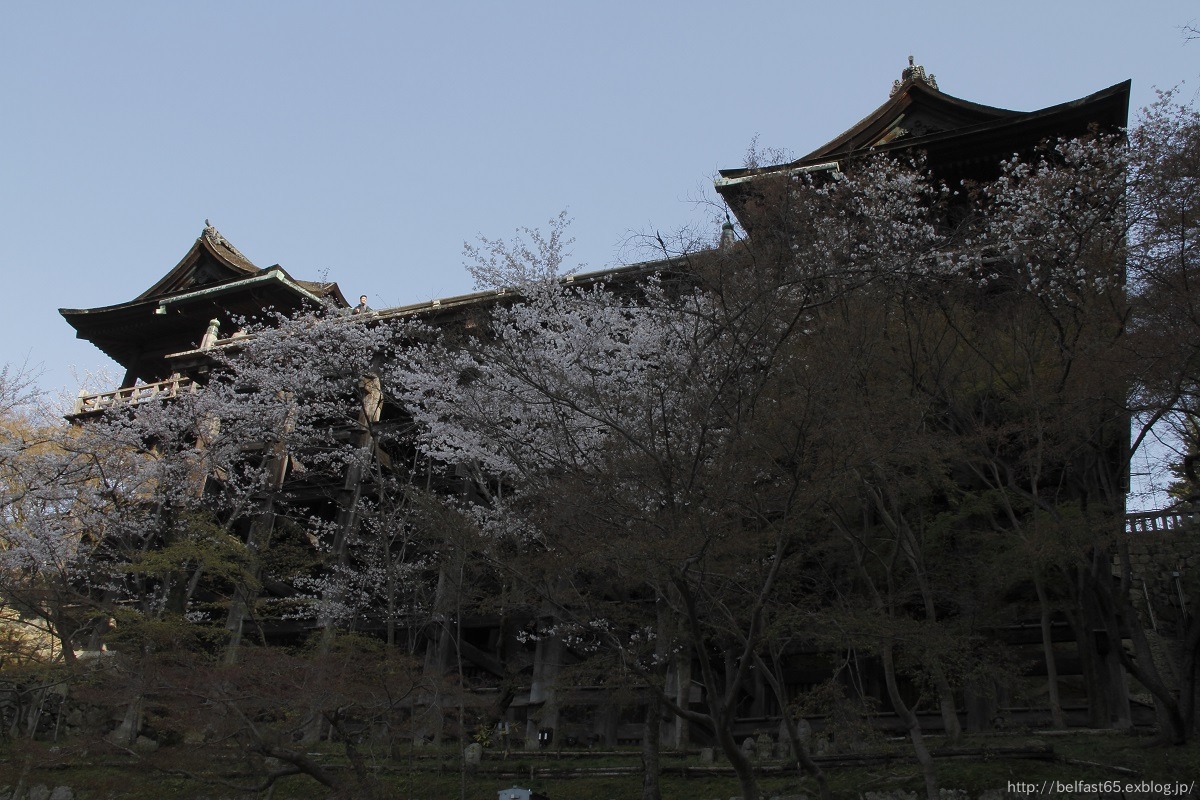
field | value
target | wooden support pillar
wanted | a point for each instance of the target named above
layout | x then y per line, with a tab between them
608	723
259	537
543	712
364	439
680	733
1121	713
438	651
980	704
759	693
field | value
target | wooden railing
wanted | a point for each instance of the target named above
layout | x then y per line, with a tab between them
134	395
1159	521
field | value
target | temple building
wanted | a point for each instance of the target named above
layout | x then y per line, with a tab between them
960	141
161	337
151	335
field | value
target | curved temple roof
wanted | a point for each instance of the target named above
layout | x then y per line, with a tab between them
960	138
213	280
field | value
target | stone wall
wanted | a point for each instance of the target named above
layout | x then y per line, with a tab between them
1166	573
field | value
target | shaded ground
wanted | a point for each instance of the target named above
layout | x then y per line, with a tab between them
1077	762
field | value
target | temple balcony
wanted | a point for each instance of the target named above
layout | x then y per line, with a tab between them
135	395
1170	520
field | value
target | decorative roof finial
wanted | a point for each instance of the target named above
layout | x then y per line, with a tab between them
728	237
913	72
213	235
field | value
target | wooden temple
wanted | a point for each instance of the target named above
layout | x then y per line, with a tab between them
160	337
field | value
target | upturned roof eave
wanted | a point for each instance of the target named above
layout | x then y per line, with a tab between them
880	119
329	291
910	92
221	287
90	322
1088	108
228	257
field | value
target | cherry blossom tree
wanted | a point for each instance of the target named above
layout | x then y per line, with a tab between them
1164	167
661	439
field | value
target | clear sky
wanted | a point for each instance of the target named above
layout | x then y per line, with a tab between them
368	140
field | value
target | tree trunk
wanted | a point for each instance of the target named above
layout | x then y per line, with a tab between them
799	749
683	691
437	659
909	544
304	763
742	766
911	723
1167	707
651	730
1056	712
947	706
720	704
1120	611
1188	673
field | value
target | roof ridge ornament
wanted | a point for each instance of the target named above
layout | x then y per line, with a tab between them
913	72
214	236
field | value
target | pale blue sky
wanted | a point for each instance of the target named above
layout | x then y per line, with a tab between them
370	140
